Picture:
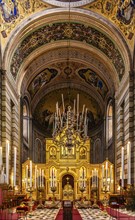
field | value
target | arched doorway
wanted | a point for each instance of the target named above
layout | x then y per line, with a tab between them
68	187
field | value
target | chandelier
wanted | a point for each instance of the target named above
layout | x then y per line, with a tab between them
70	127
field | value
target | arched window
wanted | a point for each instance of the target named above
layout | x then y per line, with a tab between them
109	123
25	122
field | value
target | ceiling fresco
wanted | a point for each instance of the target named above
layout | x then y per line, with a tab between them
94	80
58	32
118	12
41	79
44	112
67	72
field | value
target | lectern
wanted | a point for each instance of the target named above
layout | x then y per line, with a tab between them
67	210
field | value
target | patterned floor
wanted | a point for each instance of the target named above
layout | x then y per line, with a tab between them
50	214
42	214
86	214
91	214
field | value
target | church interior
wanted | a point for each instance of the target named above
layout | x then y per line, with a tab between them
67	128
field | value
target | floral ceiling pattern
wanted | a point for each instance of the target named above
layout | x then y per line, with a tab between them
59	32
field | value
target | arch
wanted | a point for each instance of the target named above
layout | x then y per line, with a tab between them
80	14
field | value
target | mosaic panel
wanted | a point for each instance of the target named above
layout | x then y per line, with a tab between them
94	80
41	79
60	31
9	10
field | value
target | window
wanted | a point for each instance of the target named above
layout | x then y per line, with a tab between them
109	123
25	122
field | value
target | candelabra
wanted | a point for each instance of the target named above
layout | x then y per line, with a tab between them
40	190
53	189
82	189
70	126
30	190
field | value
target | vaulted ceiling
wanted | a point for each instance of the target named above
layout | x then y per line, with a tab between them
62	50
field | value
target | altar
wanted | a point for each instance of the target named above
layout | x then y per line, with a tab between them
67	174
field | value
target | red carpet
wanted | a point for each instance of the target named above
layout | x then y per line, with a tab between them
120	216
76	215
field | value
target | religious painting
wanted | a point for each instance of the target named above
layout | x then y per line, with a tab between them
67	152
41	79
82	153
9	9
125	11
94	80
52	152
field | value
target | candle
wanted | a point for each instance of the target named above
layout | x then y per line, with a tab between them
57	109
92	178
106	170
122	166
129	163
110	176
30	173
7	162
26	176
95	175
97	178
83	111
63	104
15	155
35	176
77	110
74	107
40	177
102	171
0	157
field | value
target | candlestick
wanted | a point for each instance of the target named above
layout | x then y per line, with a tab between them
122	166
30	173
7	162
15	155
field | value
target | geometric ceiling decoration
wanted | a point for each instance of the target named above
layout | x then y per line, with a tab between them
41	79
58	31
94	80
43	114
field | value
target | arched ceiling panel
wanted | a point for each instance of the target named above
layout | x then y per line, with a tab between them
60	32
